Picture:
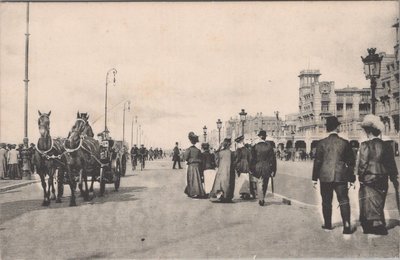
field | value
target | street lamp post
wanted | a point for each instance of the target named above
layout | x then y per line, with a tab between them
26	153
372	71
242	115
114	71
219	126
123	122
205	133
277	124
292	133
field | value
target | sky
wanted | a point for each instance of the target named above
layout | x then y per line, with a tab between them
182	65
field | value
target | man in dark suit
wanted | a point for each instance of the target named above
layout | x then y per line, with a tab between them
263	164
333	167
176	157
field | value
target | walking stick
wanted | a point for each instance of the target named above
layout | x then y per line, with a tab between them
272	184
396	188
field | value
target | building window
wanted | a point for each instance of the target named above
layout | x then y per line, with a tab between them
324	106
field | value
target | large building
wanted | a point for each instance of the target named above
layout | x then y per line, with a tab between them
387	106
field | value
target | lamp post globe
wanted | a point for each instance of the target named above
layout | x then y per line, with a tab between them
372	71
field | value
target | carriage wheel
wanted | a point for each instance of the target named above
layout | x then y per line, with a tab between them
117	176
123	165
102	182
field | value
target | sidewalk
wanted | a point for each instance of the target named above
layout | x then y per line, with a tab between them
8	184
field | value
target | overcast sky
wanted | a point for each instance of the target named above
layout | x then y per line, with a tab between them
182	65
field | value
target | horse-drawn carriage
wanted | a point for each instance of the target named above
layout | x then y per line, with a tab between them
110	170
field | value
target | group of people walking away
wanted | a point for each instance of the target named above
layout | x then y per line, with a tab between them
213	176
335	167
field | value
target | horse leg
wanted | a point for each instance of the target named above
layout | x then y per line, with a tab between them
80	185
86	194
43	181
60	184
72	185
53	190
91	184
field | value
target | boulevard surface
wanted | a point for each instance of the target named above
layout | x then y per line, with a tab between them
150	217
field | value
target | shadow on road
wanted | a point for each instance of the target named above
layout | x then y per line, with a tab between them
13	209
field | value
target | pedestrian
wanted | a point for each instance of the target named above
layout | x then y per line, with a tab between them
142	156
194	187
12	160
263	164
333	167
375	163
134	156
176	157
224	184
208	166
3	161
242	163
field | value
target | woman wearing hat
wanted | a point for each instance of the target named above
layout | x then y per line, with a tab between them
13	157
224	183
208	166
375	165
3	160
242	162
194	188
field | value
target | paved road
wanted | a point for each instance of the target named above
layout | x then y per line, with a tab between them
150	217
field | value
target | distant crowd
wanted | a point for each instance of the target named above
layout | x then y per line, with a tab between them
11	160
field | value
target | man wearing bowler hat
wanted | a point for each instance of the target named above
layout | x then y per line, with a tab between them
263	164
333	167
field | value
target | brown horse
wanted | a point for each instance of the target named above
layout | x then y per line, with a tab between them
83	153
49	159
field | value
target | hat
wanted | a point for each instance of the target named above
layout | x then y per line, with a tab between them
262	133
239	139
193	138
205	146
373	122
331	123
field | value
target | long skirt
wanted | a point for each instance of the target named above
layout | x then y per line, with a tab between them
242	185
194	186
372	199
209	177
224	186
13	171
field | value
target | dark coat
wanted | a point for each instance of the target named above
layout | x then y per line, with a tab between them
243	160
208	161
334	160
376	161
263	159
175	156
193	155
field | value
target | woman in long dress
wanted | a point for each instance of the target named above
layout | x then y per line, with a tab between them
242	163
194	188
375	164
208	166
224	183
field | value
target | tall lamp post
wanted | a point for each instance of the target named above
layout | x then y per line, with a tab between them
242	115
292	133
26	153
123	122
277	123
372	71
219	126
113	71
205	133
